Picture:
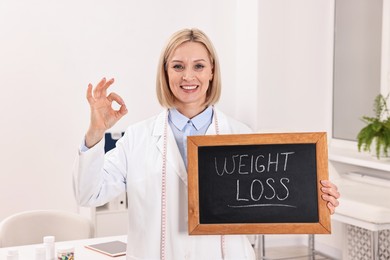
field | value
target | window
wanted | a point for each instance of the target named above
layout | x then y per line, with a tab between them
357	64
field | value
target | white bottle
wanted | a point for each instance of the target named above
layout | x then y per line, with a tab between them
40	252
48	242
12	254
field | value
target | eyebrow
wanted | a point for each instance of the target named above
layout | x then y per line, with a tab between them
193	61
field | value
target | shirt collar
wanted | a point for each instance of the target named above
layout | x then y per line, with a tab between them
179	120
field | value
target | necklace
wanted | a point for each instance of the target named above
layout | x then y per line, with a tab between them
164	188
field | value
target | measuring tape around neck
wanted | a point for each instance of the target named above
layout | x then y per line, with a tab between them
164	188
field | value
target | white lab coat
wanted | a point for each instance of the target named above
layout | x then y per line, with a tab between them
135	166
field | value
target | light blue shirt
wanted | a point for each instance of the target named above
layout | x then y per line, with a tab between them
182	127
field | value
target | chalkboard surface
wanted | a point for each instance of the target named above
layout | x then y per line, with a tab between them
257	184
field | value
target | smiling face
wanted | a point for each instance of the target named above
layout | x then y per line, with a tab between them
189	72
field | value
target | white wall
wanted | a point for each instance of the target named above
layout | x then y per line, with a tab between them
295	65
51	50
276	59
285	64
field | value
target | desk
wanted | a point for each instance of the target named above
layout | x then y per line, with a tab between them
81	253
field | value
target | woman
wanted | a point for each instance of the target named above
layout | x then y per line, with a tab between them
149	162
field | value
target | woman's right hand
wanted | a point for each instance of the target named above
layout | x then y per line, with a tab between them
103	116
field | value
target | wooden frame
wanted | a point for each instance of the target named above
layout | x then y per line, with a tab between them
195	227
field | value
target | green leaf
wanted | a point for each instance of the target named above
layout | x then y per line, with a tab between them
377	128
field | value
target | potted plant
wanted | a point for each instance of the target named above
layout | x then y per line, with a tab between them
377	131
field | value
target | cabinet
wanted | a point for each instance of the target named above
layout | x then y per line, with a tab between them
364	184
111	219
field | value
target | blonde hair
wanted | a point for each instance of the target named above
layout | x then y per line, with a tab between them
164	93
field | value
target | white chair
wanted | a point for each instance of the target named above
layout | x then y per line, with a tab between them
30	227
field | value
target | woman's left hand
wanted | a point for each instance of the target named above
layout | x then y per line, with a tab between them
331	195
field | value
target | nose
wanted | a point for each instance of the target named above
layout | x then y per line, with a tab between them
188	75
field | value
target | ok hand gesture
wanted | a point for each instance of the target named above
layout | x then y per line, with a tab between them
103	116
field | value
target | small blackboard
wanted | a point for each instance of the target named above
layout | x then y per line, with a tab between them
257	184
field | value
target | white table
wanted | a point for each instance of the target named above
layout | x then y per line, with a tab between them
81	253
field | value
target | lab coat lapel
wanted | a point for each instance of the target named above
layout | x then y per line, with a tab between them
173	158
222	124
211	129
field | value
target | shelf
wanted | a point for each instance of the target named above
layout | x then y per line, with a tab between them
353	157
114	211
118	204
